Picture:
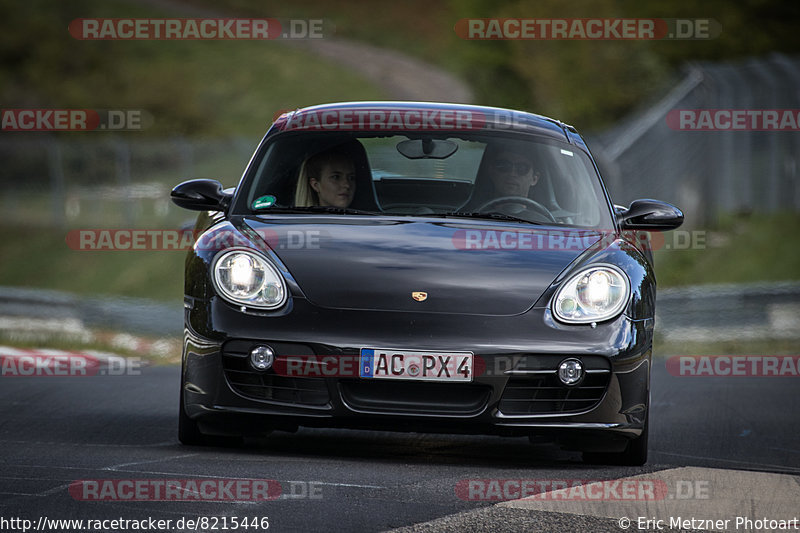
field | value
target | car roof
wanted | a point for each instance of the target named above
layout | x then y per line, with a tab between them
420	116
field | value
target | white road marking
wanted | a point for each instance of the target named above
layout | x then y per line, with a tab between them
116	468
352	485
761	466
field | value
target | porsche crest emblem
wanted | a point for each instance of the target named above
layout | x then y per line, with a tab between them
419	296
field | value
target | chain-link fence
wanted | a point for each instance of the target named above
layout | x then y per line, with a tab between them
84	180
712	163
109	180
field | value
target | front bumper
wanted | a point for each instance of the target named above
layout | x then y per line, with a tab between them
513	395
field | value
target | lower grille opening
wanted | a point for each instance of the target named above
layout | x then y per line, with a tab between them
267	385
415	397
541	392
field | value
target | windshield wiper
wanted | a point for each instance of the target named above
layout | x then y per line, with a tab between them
492	215
315	209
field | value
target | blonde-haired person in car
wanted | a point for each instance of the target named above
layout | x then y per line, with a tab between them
327	179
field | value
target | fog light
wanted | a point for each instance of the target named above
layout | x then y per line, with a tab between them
262	357
570	371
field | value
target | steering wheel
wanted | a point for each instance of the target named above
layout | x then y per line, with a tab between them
527	203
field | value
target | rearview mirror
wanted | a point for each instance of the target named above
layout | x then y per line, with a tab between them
427	148
201	195
650	215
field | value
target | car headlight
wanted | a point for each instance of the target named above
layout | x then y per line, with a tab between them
594	294
246	278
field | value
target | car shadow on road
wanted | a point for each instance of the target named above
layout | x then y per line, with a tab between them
513	453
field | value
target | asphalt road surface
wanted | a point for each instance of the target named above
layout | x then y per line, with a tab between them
56	431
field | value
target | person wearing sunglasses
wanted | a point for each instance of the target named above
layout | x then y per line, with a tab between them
507	171
511	174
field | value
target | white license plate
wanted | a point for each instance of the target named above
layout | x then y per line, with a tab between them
416	365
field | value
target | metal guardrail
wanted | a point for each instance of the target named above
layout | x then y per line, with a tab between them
694	314
78	314
706	313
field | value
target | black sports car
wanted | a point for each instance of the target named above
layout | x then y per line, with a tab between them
420	267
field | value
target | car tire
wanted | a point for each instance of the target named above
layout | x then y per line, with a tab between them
189	433
634	454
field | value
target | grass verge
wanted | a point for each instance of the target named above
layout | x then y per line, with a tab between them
740	249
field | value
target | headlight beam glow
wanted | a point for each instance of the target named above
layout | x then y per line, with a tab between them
594	294
246	278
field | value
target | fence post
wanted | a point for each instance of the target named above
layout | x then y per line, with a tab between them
772	181
122	152
186	156
56	167
723	188
791	69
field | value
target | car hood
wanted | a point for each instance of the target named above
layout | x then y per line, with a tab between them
375	263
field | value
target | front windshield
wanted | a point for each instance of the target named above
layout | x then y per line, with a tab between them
520	178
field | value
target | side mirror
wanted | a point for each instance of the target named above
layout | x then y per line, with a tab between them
201	195
650	215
